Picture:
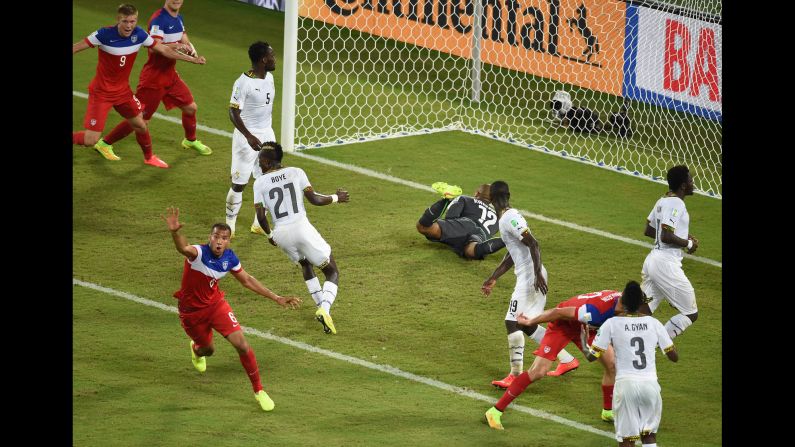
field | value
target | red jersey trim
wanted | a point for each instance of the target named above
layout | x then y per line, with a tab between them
88	42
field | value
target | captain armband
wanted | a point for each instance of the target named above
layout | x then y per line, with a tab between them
334	198
595	351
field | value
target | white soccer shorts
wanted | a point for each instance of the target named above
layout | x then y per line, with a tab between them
525	298
244	159
637	407
662	277
300	240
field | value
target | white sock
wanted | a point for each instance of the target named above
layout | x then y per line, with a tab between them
329	295
677	324
313	285
233	202
516	351
256	222
650	445
538	335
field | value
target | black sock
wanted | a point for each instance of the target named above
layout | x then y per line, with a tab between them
433	212
488	247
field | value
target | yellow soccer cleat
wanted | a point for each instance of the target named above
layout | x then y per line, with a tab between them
197	145
447	191
256	229
325	319
200	363
493	416
106	150
607	415
264	400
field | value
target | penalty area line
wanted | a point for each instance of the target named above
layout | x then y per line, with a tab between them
409	183
357	361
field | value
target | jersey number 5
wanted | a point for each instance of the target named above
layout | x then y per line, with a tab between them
276	193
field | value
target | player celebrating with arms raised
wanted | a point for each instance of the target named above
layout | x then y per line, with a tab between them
278	191
118	46
159	80
202	306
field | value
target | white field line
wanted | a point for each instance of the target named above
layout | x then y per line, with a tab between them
356	361
389	178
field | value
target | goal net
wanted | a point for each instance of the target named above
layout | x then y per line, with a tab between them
630	86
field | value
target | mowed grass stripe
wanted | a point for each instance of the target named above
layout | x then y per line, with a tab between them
356	361
389	178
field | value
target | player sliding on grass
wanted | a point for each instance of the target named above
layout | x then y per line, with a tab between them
202	306
468	225
118	46
568	321
159	81
280	191
530	292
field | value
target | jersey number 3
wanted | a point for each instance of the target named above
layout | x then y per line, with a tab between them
640	352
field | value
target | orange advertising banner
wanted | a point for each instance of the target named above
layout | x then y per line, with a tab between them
578	42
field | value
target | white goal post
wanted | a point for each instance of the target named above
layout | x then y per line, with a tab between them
632	86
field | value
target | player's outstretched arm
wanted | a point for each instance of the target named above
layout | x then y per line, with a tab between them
79	46
172	221
321	199
251	283
553	314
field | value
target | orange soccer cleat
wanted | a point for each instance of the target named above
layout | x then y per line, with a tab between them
156	162
504	383
563	368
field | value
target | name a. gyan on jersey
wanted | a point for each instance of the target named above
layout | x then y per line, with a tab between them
636	327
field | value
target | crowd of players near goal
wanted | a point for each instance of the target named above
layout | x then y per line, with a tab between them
466	224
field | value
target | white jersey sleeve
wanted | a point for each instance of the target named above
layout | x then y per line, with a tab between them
602	339
515	224
239	91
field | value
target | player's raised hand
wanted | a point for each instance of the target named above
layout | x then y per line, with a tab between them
290	302
487	286
172	219
541	284
342	195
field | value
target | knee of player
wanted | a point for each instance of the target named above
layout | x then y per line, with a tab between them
190	109
206	351
242	347
693	317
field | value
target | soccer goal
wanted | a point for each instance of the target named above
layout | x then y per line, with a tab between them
631	86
